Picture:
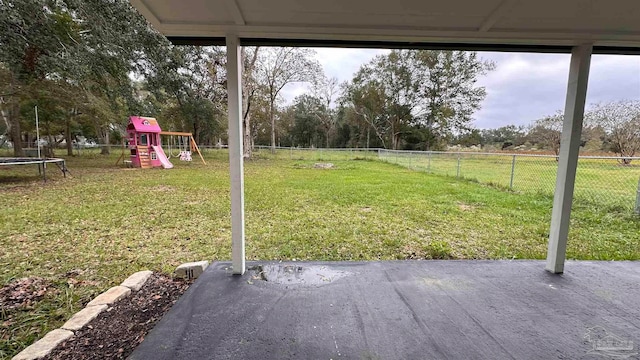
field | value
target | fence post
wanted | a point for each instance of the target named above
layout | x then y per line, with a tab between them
513	168
458	168
638	199
429	162
410	156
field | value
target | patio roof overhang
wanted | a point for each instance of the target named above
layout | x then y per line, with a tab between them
541	25
581	27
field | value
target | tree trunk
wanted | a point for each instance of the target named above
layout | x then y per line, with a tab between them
196	130
394	146
51	144
273	127
368	136
7	124
104	139
247	144
67	135
246	137
626	157
14	119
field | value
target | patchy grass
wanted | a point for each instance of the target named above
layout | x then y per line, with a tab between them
88	232
603	182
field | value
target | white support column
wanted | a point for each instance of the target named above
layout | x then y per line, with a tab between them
234	90
568	161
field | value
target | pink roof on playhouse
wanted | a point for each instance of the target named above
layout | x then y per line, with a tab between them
145	124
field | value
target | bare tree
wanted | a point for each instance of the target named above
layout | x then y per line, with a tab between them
325	90
278	67
621	123
548	131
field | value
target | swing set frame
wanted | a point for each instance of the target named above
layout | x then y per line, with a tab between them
192	142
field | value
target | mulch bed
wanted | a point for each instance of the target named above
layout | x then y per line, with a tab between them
116	332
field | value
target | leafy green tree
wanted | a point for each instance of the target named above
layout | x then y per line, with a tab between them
385	93
192	85
505	136
364	104
448	86
88	49
37	42
423	94
307	125
472	137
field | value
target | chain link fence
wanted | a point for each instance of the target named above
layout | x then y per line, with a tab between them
603	181
315	154
638	199
600	180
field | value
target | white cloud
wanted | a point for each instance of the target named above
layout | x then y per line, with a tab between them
613	78
341	63
524	87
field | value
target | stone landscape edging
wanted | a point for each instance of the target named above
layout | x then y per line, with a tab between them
95	307
100	303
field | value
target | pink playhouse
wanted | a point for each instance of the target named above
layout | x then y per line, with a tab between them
144	143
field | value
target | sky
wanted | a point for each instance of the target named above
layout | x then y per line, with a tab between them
523	87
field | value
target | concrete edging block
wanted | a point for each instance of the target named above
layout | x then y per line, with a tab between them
44	346
137	280
191	270
110	296
83	317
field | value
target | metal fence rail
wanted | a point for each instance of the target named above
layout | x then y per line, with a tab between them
316	154
602	180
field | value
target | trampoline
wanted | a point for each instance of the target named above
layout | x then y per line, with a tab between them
41	162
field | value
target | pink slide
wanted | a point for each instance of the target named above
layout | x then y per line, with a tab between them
162	157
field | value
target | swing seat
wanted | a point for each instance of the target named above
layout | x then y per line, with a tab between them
185	155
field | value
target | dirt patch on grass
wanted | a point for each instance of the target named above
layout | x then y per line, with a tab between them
163	188
23	293
116	332
323	166
466	207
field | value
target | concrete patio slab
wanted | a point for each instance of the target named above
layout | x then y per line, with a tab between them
404	310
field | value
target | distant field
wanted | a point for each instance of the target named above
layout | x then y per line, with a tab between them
89	231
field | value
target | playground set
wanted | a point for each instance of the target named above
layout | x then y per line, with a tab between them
144	141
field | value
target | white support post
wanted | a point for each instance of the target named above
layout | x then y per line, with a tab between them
568	160
234	90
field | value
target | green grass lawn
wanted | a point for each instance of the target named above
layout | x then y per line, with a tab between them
88	232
